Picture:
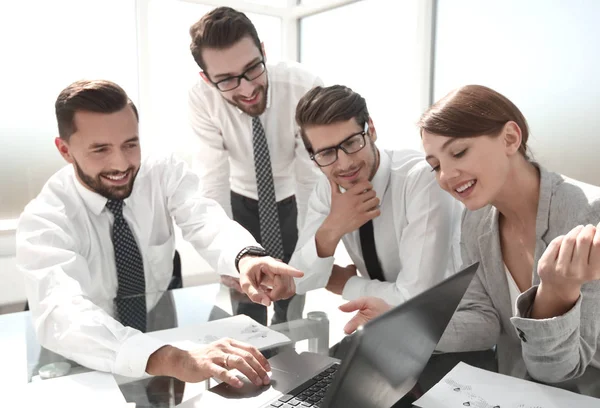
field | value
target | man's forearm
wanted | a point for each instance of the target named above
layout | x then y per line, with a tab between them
164	361
326	241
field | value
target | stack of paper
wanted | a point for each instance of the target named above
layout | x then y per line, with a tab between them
467	386
240	327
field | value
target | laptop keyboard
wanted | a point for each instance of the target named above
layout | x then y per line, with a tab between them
310	393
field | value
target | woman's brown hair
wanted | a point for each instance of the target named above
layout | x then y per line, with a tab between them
473	110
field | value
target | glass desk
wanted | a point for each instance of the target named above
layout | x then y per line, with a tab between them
178	308
200	304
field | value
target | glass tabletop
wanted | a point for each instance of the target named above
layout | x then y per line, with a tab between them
318	331
179	308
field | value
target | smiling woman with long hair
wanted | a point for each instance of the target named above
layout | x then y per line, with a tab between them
536	295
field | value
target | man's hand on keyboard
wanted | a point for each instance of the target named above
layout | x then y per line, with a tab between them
213	360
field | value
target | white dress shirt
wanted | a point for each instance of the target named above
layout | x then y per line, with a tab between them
65	251
513	291
225	158
416	236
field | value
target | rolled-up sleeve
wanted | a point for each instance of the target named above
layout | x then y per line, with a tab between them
560	348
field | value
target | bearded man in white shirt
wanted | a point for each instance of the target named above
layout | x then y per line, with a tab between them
399	228
96	247
251	158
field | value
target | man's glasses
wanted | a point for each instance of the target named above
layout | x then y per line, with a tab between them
349	145
232	82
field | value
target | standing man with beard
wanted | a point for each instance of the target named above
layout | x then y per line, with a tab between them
399	227
96	247
251	158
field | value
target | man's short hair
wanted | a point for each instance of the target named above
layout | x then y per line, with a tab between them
220	28
326	105
88	96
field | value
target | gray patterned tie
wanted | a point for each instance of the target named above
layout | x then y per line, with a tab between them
130	302
270	229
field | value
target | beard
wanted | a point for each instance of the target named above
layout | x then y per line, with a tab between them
375	164
98	185
256	109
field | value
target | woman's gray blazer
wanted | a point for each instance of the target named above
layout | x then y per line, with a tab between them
564	350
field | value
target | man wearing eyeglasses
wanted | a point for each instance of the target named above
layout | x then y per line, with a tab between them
398	226
251	158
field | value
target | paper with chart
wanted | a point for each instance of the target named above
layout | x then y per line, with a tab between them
467	386
240	327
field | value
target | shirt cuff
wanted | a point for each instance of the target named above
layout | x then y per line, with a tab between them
134	353
525	302
316	270
353	288
543	329
226	264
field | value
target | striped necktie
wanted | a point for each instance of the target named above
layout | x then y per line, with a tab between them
131	300
270	228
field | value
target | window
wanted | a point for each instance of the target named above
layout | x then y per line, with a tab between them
271	3
143	46
546	64
378	54
53	43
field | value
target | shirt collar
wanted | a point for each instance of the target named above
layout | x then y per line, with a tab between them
95	202
382	176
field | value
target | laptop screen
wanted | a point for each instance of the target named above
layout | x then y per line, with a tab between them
383	360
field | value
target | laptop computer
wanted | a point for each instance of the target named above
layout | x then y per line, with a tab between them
382	361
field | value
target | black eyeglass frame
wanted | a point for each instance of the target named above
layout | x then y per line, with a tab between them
340	146
239	77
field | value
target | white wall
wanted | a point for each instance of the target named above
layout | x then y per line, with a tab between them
380	49
157	68
542	54
46	45
54	42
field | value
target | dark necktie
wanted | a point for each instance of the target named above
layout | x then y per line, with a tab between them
131	300
367	245
270	229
